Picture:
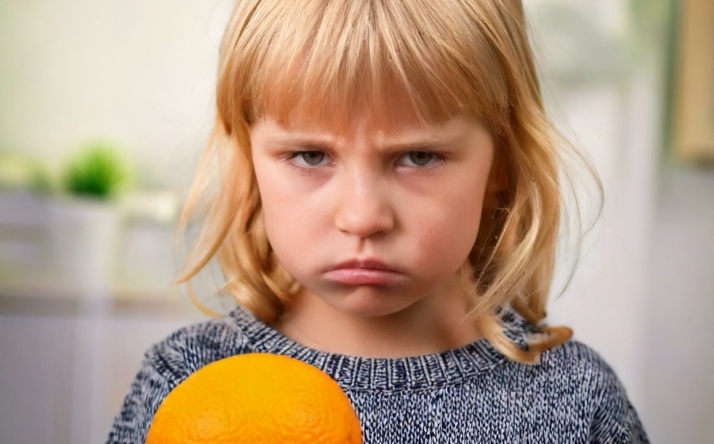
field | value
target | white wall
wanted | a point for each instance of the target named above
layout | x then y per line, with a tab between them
136	71
680	302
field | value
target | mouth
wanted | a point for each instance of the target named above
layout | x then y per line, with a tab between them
366	272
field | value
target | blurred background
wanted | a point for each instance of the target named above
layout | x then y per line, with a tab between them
105	107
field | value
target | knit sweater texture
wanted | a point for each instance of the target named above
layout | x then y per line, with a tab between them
472	394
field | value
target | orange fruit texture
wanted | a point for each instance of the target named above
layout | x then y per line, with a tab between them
256	398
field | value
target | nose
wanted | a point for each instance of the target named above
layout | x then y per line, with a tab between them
364	208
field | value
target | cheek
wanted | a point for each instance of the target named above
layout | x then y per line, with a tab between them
448	234
275	203
292	222
277	209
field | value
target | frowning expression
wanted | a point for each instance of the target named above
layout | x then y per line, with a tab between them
378	218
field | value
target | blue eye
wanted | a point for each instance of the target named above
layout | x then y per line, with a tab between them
310	158
416	159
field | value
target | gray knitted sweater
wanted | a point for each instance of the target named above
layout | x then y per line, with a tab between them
472	394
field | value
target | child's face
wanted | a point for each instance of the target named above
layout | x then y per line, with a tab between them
376	219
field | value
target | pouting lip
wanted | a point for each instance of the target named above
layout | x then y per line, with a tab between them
366	264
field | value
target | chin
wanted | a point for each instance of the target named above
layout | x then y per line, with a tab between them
371	304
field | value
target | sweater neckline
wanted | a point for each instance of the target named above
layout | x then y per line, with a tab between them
412	372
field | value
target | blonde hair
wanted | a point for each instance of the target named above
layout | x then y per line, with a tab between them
327	56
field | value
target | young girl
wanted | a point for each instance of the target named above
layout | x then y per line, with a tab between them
383	200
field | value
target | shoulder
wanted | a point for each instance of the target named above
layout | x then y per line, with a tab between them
188	349
168	363
577	365
575	358
579	369
572	362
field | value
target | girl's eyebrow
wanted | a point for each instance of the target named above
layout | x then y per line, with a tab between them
301	143
316	144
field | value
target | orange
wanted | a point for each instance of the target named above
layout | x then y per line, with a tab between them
256	398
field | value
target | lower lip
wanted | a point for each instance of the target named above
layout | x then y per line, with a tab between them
364	276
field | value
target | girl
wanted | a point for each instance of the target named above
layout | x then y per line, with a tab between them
384	206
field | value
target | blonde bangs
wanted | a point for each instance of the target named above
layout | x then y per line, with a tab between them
327	59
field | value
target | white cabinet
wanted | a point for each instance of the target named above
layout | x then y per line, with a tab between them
63	376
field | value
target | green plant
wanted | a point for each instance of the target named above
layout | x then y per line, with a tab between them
97	171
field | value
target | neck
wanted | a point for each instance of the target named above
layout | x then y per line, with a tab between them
428	326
